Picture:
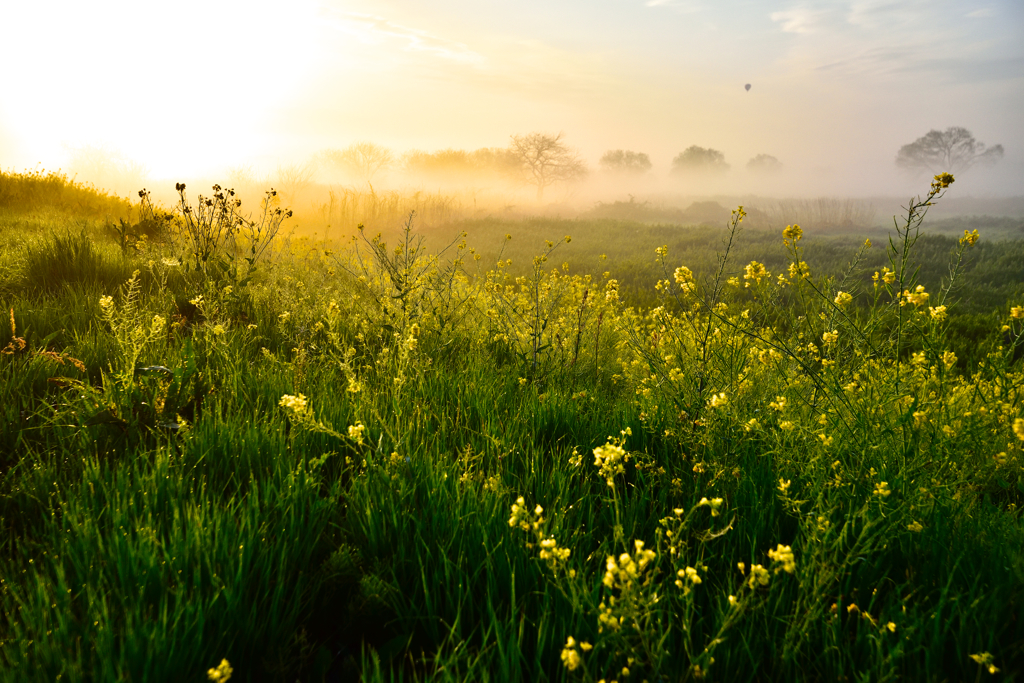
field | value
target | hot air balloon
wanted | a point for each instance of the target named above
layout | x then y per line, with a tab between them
747	87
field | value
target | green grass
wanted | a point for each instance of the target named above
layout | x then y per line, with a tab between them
155	521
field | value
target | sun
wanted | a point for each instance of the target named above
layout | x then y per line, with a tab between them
179	88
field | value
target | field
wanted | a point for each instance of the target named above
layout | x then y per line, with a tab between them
506	449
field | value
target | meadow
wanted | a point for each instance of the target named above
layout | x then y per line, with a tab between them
486	448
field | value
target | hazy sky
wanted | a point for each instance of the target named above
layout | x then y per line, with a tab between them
197	86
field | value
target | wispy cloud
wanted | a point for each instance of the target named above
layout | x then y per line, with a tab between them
372	29
800	19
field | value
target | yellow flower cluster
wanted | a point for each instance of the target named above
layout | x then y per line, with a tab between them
690	574
755	271
1018	428
355	432
830	337
222	673
570	655
610	459
970	238
799	269
1017	312
784	554
843	299
938	313
986	660
520	514
888	277
758	576
623	571
792	232
296	404
918	297
942	181
684	278
551	552
714	504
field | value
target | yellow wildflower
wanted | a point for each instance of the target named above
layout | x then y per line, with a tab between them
784	554
843	299
755	271
296	404
987	661
1018	428
222	673
970	238
792	232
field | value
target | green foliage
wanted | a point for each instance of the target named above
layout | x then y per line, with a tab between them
70	260
413	460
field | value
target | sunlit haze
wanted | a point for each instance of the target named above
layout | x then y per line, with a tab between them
195	88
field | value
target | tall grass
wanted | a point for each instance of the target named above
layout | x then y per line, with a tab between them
33	190
403	462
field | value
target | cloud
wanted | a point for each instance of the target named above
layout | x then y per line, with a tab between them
373	29
800	19
981	13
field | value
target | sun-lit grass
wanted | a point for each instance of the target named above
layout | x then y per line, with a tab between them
441	459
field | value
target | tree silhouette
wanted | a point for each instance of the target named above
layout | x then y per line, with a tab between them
954	150
764	163
360	161
625	161
545	160
696	159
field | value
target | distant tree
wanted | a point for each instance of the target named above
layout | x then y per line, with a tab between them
443	162
954	150
295	179
625	161
361	161
764	163
544	160
500	161
699	160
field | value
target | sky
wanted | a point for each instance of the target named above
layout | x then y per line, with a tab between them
199	86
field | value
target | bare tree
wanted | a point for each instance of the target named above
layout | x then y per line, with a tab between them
361	161
295	179
953	150
545	160
696	159
625	161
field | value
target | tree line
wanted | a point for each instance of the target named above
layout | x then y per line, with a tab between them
542	160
